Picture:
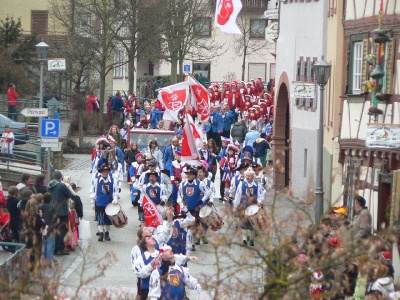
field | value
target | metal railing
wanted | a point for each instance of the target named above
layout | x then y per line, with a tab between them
14	270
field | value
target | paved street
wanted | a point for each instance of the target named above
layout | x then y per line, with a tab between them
83	267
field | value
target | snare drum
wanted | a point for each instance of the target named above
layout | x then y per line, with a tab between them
116	215
210	216
256	217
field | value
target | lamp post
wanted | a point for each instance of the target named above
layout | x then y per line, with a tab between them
41	49
322	72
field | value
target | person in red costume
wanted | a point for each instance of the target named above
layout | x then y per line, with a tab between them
249	89
225	93
91	104
12	97
215	95
259	86
235	99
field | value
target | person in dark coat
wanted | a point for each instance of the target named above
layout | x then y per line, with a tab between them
60	194
12	207
48	214
39	185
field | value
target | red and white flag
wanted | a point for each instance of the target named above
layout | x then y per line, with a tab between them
173	98
189	152
225	15
199	100
152	215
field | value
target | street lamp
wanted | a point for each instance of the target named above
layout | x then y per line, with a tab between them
42	49
322	72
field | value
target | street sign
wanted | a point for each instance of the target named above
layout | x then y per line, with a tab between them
56	64
49	143
35	112
50	128
272	14
187	66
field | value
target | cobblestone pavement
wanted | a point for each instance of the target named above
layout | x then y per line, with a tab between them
75	165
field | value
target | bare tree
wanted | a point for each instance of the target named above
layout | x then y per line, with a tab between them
180	22
245	45
100	21
137	34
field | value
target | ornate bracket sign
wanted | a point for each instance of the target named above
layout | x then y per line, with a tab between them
383	136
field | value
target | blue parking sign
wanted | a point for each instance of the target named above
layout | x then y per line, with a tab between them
186	68
50	128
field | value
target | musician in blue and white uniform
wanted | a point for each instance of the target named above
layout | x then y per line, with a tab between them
103	192
169	280
237	179
248	193
154	191
144	180
190	198
208	193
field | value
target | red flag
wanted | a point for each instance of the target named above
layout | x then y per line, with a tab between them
152	215
173	98
225	15
189	150
199	100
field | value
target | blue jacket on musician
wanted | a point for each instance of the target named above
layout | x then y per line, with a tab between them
190	194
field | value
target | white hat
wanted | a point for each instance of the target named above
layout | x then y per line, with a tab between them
165	248
249	171
318	275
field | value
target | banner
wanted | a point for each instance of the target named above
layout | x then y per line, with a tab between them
225	15
173	98
189	149
199	100
152	215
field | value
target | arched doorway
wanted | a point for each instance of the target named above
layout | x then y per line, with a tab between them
281	137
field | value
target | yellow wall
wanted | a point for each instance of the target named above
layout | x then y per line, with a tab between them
334	90
23	8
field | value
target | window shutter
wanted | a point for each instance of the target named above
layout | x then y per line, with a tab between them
309	70
256	70
302	70
365	66
39	20
387	85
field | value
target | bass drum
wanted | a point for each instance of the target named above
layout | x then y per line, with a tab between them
168	184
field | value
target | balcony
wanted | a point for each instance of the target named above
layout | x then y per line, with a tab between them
248	5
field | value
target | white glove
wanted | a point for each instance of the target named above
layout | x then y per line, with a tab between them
198	288
115	202
184	209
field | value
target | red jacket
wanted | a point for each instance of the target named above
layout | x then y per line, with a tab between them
12	96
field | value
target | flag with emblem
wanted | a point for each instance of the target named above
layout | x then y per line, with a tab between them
189	152
173	98
199	101
152	215
226	13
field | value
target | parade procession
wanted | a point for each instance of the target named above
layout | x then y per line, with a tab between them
174	171
200	150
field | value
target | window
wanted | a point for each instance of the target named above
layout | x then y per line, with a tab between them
357	67
357	64
257	70
257	28
202	27
83	25
120	63
272	70
202	68
39	20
